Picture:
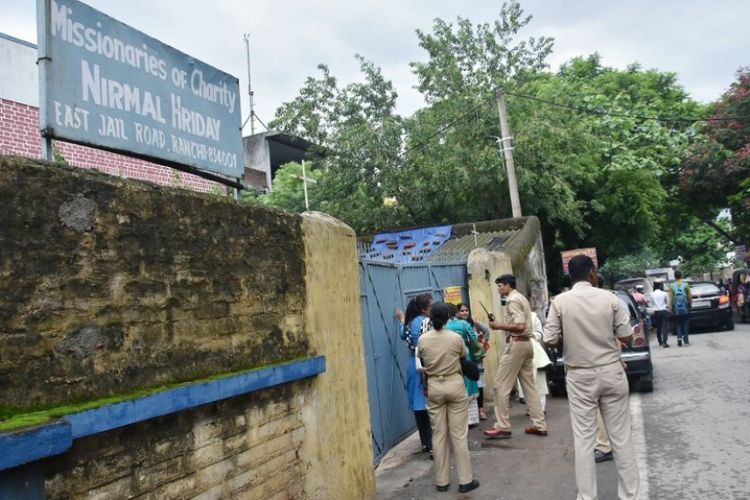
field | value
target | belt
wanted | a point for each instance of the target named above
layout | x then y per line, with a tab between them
517	338
441	378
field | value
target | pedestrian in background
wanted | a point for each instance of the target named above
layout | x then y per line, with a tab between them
681	300
440	351
517	363
661	313
592	321
413	324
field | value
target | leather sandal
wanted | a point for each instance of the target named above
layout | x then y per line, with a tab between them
493	433
534	430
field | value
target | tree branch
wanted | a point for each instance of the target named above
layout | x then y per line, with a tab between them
711	223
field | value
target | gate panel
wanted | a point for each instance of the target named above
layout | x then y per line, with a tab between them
385	287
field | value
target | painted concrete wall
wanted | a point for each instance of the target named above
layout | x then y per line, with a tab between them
118	285
305	439
258	155
339	454
19	80
483	267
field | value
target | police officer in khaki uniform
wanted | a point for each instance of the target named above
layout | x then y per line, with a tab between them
516	363
592	321
447	401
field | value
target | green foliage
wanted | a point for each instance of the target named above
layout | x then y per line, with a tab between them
359	135
58	156
12	418
629	266
464	59
715	175
595	170
288	189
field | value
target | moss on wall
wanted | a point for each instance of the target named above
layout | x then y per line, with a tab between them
108	285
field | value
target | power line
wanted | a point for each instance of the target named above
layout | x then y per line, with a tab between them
438	132
601	112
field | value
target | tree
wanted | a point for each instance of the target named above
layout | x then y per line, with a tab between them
358	135
716	175
288	189
628	266
596	157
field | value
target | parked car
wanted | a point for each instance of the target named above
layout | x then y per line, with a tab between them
710	307
636	356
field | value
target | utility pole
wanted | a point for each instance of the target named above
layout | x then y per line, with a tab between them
506	147
246	36
305	180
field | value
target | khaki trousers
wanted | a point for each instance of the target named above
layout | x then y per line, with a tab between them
516	363
447	404
604	388
602	439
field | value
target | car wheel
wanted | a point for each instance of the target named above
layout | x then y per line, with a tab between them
730	324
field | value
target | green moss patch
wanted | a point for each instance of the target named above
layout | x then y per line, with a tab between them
13	418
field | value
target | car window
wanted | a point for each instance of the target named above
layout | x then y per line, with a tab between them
704	289
629	305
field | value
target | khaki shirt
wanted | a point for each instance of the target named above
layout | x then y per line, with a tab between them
440	351
519	311
590	319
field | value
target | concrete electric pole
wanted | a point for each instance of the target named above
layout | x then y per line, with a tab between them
506	147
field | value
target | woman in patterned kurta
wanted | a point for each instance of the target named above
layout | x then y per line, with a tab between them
413	324
467	332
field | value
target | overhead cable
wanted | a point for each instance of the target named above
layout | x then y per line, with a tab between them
600	112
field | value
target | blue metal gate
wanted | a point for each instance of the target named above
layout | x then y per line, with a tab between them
383	288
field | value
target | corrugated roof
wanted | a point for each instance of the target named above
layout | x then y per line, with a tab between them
492	240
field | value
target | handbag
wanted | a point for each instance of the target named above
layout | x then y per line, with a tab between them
469	369
476	350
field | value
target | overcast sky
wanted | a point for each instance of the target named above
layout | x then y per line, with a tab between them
703	41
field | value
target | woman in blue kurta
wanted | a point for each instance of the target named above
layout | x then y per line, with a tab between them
413	324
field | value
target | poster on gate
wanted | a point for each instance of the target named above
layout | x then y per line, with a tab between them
566	255
452	295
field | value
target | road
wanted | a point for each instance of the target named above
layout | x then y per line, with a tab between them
697	442
690	435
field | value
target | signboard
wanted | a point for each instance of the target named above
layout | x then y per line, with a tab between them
452	295
569	254
108	85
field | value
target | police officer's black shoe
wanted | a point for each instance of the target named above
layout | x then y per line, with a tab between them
463	488
443	487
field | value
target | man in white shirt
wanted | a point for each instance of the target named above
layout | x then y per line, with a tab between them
661	313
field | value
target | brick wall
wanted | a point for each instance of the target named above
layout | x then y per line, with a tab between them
244	447
19	135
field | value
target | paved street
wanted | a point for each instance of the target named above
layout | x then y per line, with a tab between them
690	436
697	442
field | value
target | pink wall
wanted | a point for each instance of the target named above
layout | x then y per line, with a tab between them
19	135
